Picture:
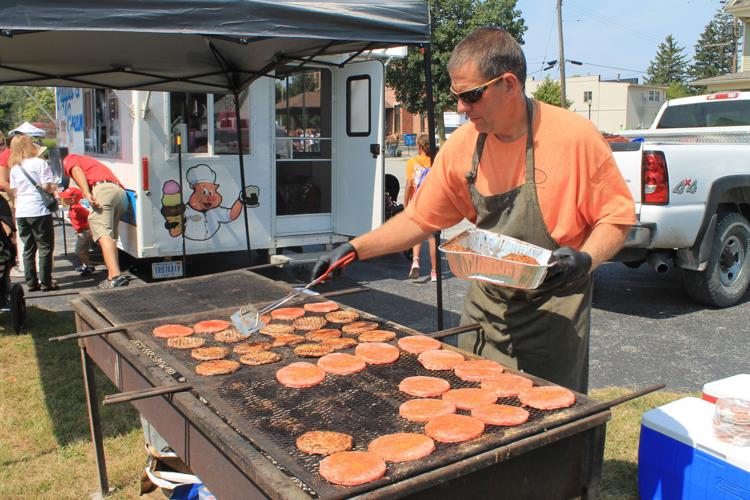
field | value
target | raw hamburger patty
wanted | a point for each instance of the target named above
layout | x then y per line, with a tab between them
229	335
342	316
454	428
424	387
320	335
402	446
377	353
339	344
287	313
424	410
506	385
500	414
312	350
217	367
252	347
185	342
440	359
287	339
309	323
550	397
211	326
172	331
324	442
321	307
209	353
417	344
352	468
275	329
475	370
300	375
359	327
260	358
377	336
339	363
471	397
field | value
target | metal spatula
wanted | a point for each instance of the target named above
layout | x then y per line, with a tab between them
248	319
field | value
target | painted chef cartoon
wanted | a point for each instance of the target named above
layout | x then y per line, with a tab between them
204	214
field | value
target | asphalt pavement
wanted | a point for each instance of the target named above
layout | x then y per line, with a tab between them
645	329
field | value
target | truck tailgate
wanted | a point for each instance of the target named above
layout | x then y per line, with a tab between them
628	156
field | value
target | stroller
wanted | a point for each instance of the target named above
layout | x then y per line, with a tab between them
11	296
392	187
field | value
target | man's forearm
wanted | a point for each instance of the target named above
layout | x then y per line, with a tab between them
399	233
77	174
604	242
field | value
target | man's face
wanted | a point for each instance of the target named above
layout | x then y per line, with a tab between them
205	196
487	111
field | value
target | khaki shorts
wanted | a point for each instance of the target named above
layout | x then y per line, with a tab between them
103	221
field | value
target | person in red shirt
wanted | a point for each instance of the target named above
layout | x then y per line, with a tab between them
79	219
108	203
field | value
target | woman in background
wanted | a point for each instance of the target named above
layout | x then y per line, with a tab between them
417	169
33	219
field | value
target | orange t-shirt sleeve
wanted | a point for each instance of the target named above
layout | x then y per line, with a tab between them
443	200
609	200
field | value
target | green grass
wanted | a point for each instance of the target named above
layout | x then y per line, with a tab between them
45	446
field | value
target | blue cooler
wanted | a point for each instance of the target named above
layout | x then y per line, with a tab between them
680	458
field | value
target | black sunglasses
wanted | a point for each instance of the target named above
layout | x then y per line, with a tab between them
471	96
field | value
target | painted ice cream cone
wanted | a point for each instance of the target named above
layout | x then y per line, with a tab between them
171	208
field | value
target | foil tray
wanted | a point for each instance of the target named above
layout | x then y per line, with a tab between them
478	254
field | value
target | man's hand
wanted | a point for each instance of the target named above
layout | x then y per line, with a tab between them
92	201
325	261
568	266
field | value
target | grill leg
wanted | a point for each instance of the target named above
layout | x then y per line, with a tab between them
595	444
94	420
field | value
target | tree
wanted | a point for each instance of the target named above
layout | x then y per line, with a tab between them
669	67
715	48
31	104
549	92
451	20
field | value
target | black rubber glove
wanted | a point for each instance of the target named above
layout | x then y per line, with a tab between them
569	265
326	260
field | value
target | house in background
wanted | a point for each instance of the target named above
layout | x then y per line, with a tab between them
740	10
612	105
398	120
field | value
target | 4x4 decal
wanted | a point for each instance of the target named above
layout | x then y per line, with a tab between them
689	186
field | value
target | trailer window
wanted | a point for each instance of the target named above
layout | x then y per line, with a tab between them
358	106
101	122
303	142
706	114
225	124
189	117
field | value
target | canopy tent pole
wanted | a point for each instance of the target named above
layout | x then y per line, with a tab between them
427	53
241	155
178	140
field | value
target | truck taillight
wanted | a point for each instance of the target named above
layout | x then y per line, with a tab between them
655	179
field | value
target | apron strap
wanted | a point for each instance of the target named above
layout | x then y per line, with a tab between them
478	148
529	142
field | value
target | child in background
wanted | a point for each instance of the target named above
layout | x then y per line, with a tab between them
79	219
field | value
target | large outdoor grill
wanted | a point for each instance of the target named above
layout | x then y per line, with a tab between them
237	432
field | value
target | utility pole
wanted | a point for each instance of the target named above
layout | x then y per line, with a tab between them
563	101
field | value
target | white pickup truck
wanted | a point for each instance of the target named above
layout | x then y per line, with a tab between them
690	177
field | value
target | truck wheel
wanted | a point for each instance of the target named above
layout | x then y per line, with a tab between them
725	280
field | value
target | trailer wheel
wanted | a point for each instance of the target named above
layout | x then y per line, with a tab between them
725	280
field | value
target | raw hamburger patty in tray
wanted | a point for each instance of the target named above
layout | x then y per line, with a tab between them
260	406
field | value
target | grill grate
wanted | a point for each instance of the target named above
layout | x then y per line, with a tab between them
271	416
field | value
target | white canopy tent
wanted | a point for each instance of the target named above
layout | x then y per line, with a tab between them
28	129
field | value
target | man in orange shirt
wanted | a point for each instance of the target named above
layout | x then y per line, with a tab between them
527	170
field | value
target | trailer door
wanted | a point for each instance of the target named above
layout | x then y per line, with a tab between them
358	138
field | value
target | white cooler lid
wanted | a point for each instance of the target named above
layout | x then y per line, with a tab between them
737	386
690	421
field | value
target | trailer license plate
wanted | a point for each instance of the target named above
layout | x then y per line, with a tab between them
170	269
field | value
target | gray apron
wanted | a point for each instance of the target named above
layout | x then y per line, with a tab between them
544	332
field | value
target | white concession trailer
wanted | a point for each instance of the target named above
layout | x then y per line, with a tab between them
311	140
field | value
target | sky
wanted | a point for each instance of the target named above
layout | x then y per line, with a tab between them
610	36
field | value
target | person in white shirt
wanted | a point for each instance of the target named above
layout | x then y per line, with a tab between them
33	219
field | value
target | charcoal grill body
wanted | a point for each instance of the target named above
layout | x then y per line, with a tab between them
231	430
